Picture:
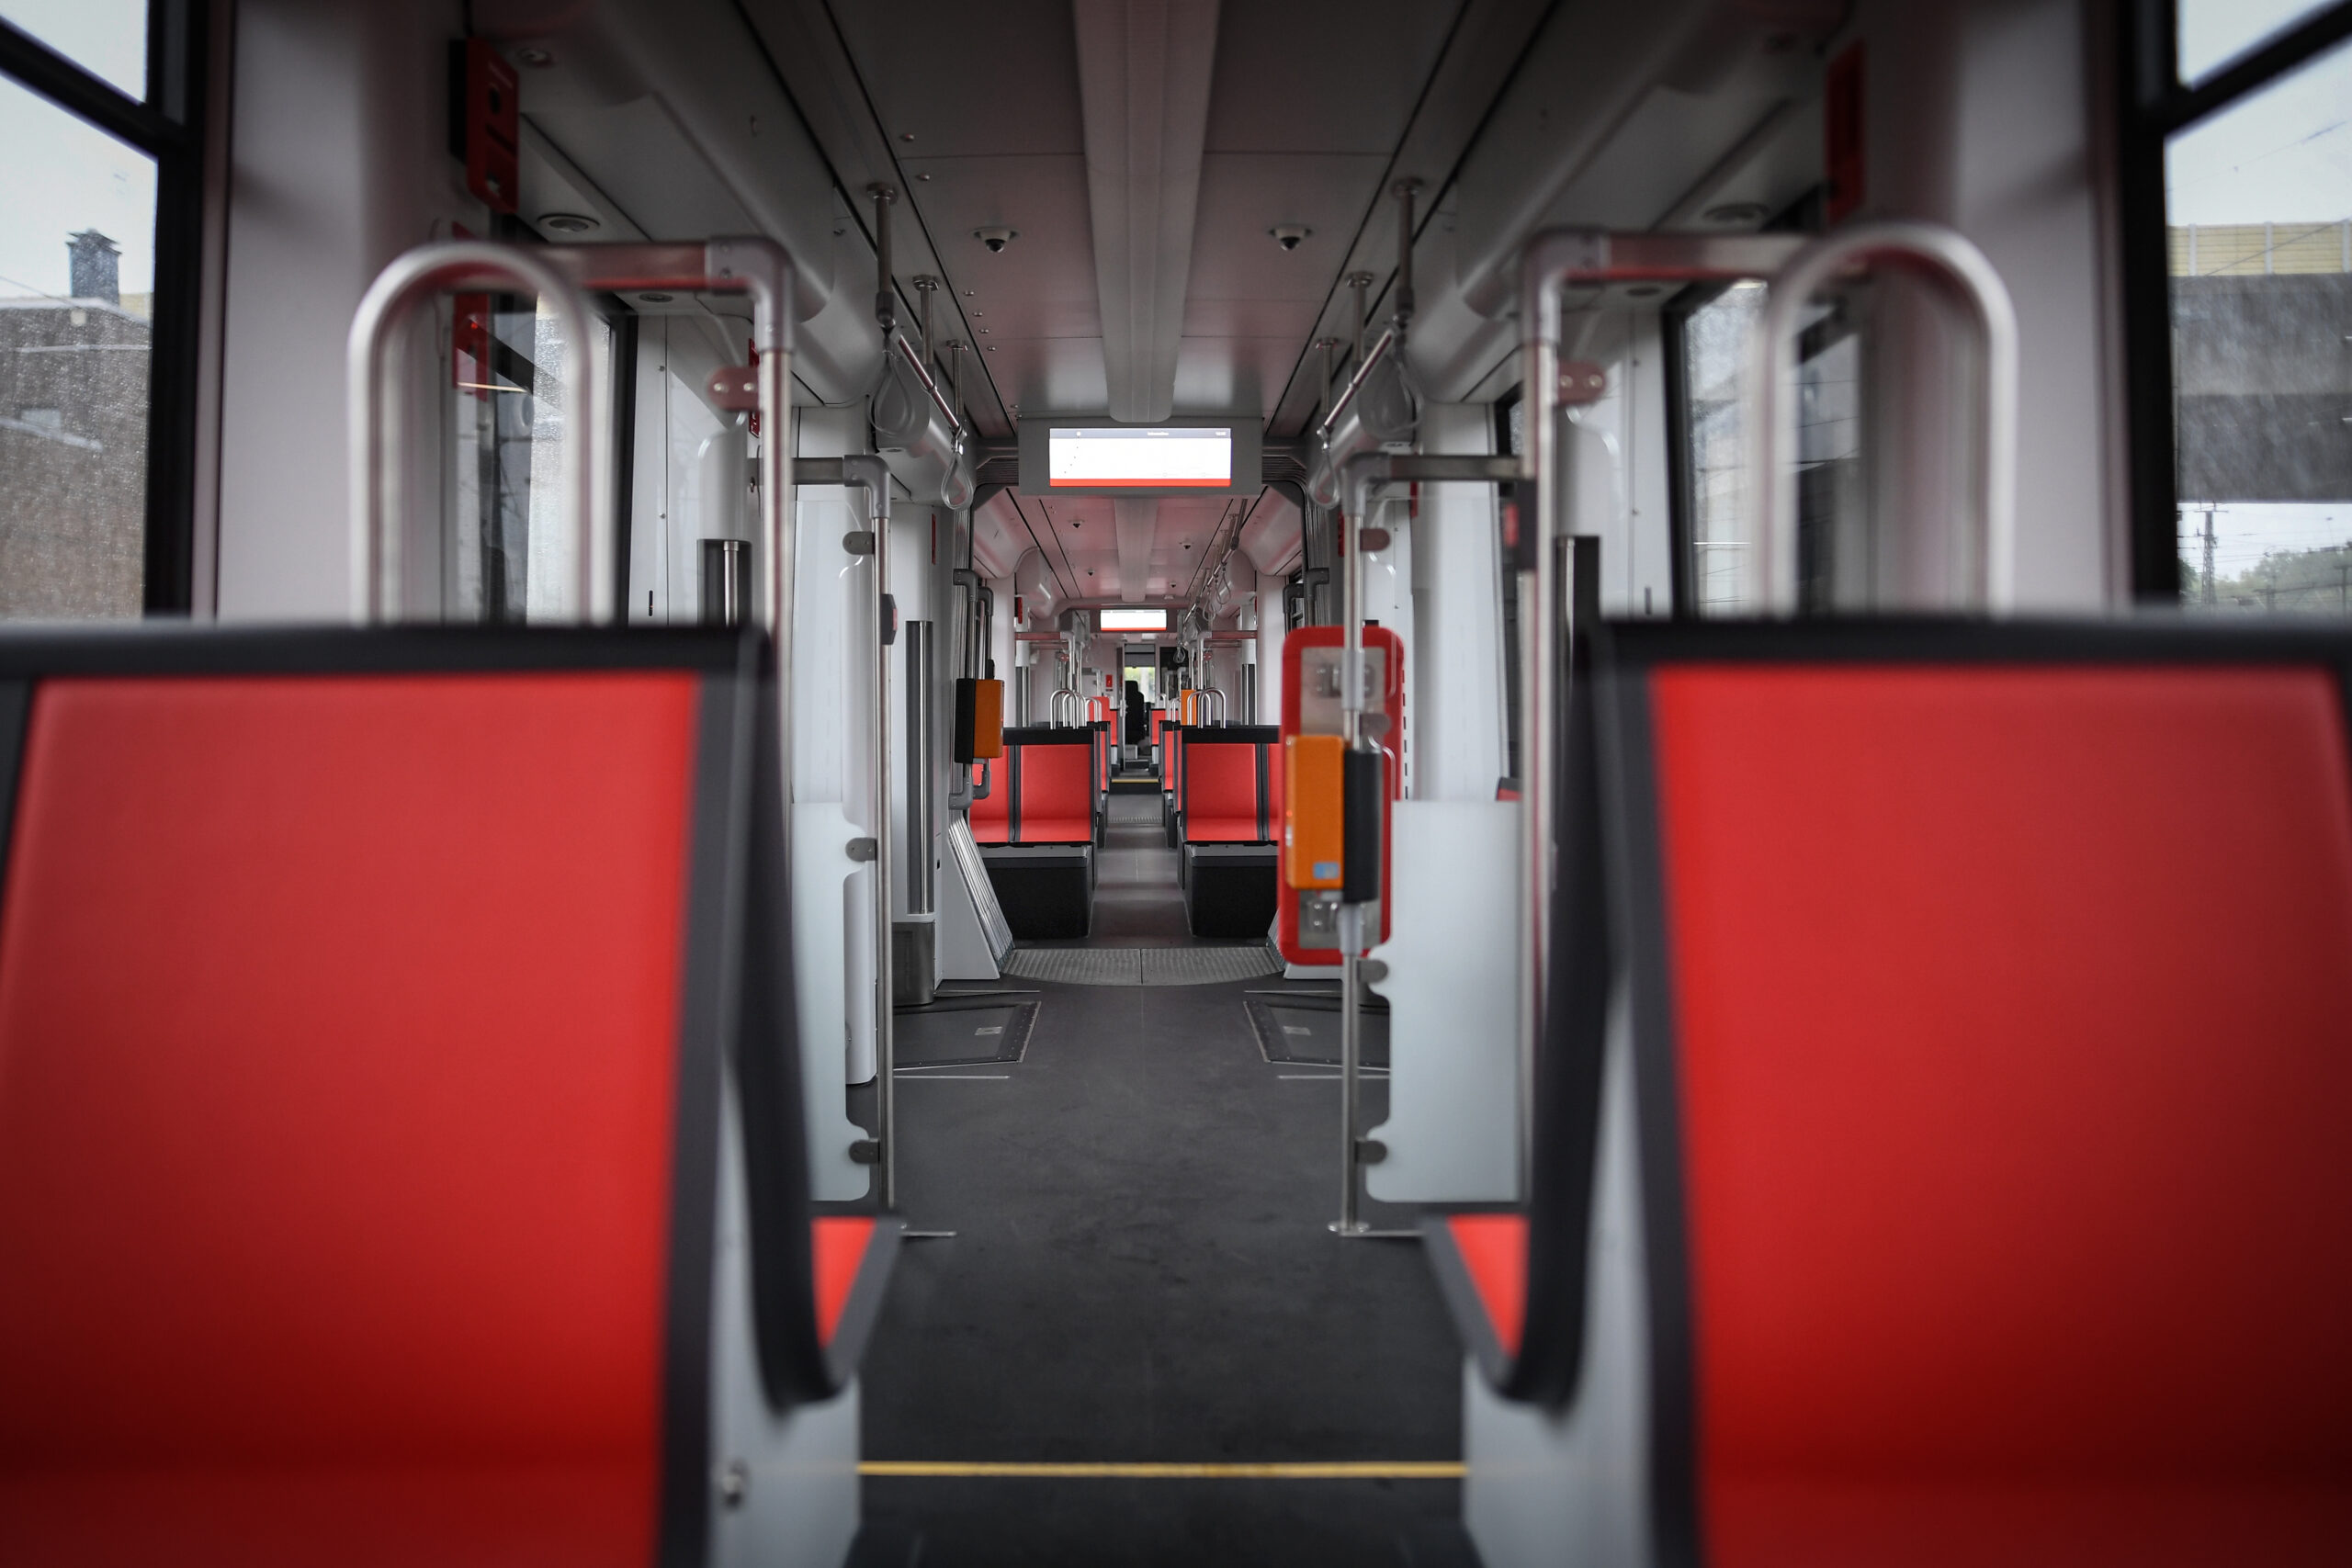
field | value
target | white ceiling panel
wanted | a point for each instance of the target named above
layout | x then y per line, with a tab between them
1244	195
994	78
1323	76
1249	318
1235	376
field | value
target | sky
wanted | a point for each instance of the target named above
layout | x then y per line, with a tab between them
63	176
2282	156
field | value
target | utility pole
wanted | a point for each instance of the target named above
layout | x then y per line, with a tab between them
2209	556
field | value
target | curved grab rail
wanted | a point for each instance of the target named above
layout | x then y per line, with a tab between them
379	497
1771	439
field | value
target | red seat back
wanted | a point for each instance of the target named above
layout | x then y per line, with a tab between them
2001	1021
335	1105
1225	794
1052	774
991	817
361	1035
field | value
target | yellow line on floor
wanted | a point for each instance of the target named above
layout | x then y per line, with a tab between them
1344	1470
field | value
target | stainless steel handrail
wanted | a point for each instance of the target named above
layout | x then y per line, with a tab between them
1559	259
1770	439
379	520
1379	352
938	397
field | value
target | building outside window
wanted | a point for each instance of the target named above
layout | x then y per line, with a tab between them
99	200
2239	211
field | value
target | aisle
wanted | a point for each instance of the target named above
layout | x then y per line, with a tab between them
1142	1273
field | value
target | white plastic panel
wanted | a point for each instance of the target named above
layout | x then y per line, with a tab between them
1547	1489
1452	1127
822	868
799	1502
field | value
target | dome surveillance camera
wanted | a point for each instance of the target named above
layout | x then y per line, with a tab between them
996	239
1288	235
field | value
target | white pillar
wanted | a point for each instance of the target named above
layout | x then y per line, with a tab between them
1455	703
1270	627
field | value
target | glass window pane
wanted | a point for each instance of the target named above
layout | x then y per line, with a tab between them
509	555
105	37
1716	347
2214	32
2259	199
77	270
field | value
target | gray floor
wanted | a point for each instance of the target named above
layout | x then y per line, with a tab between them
1142	1272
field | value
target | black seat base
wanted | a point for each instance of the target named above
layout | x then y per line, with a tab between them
1230	888
1045	890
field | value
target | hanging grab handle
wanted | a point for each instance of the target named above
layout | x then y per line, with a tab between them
1770	439
379	478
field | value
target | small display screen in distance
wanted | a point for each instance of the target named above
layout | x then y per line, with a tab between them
1135	458
1120	620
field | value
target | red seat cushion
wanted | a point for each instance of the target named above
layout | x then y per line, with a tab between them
836	1247
1494	1252
1201	829
338	1025
1057	831
2014	1064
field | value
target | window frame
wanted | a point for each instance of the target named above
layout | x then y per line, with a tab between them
168	125
2155	105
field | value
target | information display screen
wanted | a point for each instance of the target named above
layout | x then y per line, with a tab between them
1179	458
1114	620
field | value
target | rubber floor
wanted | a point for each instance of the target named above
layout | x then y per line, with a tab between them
1143	1272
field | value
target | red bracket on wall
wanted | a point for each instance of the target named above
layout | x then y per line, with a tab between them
489	127
1842	121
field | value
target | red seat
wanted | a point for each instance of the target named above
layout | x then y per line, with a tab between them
1989	1014
360	1062
1051	778
2012	1009
1222	796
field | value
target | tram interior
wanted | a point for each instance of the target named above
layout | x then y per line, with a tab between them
1412	782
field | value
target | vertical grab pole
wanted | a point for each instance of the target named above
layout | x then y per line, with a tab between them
760	267
886	984
1351	915
1539	589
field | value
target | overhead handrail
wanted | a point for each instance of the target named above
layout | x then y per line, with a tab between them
1770	439
1379	352
1556	260
938	397
378	492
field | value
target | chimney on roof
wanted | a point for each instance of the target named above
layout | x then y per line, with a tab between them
97	263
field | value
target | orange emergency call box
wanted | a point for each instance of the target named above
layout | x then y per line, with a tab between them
1314	771
1315	801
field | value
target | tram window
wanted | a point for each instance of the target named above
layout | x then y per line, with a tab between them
2214	32
509	558
77	280
105	37
1833	544
2258	207
101	258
